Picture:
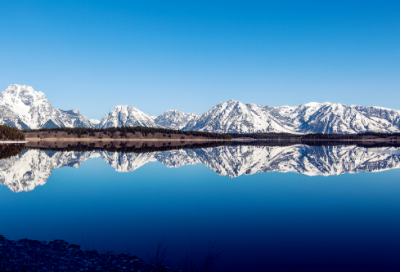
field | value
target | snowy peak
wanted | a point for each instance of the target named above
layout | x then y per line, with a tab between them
95	123
340	118
175	119
236	117
24	91
23	107
32	108
126	116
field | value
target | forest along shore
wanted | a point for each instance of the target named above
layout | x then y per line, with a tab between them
121	134
11	135
147	134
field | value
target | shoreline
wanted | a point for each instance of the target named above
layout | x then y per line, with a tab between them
124	140
59	255
194	140
13	142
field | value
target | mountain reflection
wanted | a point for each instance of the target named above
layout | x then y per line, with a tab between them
32	167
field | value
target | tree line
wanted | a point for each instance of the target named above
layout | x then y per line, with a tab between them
124	130
11	133
10	150
212	135
86	147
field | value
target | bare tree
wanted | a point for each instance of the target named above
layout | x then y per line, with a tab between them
213	253
192	263
189	263
159	260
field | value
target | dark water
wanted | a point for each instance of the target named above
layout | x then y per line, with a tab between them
295	208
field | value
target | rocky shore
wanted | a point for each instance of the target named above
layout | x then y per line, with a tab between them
58	255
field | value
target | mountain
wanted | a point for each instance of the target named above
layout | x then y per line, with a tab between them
126	116
236	117
175	119
339	118
23	107
32	168
95	123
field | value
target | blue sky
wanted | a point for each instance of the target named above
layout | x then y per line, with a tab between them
190	55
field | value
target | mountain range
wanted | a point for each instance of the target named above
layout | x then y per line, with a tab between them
32	167
23	107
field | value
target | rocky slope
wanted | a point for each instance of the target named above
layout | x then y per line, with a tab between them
23	107
32	168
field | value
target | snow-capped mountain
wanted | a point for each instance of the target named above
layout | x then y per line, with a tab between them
339	118
175	119
32	168
236	117
23	107
126	116
95	123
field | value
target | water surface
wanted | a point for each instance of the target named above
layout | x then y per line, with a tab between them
271	208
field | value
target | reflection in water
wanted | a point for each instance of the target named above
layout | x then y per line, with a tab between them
10	150
33	167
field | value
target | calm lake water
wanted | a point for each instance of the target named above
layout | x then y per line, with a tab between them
271	208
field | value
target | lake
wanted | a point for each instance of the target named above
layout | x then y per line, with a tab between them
265	208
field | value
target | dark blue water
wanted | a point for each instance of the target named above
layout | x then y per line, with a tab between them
262	222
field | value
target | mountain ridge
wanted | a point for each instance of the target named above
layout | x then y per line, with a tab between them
23	107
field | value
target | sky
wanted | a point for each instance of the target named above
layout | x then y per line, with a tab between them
191	55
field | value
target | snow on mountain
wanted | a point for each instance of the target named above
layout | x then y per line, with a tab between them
72	118
340	118
175	119
126	116
236	117
94	122
23	107
32	168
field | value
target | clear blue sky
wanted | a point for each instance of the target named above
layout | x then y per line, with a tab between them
190	55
